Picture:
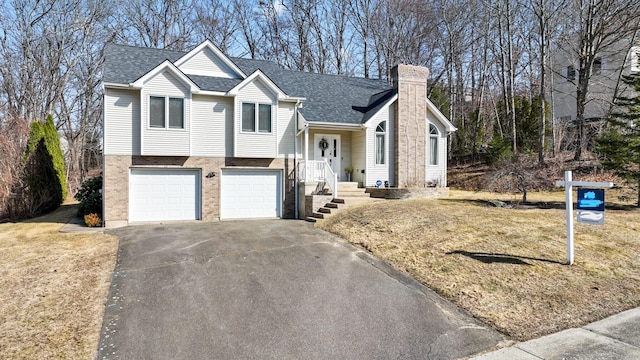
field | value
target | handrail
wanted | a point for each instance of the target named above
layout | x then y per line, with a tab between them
319	170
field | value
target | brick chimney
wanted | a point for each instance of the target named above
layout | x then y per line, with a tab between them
410	127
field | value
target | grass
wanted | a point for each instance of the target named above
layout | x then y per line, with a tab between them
53	288
506	266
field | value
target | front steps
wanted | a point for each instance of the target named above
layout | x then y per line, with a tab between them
349	195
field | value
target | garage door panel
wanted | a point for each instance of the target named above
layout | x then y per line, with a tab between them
164	194
251	194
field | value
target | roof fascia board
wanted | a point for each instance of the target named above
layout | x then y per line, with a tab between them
212	93
386	104
330	125
115	85
260	75
165	65
443	119
208	44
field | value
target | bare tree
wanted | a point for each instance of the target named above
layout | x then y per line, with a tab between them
164	24
217	21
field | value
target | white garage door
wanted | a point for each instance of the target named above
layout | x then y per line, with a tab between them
251	194
164	194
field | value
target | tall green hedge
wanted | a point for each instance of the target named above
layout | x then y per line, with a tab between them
52	141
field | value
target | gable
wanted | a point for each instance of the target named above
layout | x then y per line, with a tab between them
207	63
166	83
257	90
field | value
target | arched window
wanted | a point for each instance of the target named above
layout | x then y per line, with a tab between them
381	133
434	135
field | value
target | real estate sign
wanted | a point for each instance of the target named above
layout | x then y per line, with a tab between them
590	206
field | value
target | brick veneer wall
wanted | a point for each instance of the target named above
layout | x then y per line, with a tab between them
116	182
410	125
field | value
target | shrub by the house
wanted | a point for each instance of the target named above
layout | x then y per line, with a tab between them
90	197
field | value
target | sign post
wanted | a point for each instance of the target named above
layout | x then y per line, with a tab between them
568	184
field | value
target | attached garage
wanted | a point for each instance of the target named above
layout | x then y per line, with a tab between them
164	194
251	194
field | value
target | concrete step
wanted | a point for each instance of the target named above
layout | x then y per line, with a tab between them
319	215
331	205
352	193
311	219
325	210
347	185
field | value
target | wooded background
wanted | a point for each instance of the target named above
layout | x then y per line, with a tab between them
491	61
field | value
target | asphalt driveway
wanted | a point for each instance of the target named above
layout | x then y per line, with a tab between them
273	289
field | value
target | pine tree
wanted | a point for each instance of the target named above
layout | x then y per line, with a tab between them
43	157
52	141
619	146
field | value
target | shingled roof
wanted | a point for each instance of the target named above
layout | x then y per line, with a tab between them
329	98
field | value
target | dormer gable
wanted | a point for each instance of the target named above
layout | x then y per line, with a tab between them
165	66
207	60
259	76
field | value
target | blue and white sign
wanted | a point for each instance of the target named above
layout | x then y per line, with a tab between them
591	206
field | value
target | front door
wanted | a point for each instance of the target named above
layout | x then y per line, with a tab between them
328	147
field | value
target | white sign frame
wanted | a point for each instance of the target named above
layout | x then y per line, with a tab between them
568	184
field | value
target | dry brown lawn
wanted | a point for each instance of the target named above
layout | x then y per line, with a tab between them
53	288
506	266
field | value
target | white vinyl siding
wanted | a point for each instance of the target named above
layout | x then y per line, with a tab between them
383	172
166	141
212	122
255	144
287	130
207	63
359	155
122	122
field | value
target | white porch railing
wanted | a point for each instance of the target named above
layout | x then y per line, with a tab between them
319	170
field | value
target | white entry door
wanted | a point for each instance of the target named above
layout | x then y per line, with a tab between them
327	147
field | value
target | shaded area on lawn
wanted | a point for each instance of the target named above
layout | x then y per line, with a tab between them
489	258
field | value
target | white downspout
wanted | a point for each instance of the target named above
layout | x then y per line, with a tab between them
295	159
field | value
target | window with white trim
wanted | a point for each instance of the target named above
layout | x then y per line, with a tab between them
381	135
434	136
256	117
166	112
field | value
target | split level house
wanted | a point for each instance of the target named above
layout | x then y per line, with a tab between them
202	136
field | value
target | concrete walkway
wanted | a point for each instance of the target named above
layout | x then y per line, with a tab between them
616	337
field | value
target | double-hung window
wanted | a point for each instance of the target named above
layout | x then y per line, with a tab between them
381	134
166	112
256	117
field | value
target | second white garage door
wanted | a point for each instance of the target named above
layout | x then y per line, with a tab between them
251	194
